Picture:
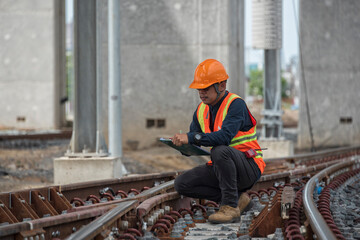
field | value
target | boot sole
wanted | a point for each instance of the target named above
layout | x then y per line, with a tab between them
234	220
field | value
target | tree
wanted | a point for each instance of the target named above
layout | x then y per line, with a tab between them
256	84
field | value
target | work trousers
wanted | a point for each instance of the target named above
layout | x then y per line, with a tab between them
230	175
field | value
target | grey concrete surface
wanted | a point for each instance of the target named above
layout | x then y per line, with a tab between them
276	148
162	43
71	170
30	67
330	37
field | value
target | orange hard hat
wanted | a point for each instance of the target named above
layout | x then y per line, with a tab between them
207	73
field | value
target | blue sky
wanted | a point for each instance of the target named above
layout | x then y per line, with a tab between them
69	10
290	35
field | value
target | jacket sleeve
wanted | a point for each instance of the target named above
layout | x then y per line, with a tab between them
194	128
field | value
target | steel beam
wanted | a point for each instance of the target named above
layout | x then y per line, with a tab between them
84	125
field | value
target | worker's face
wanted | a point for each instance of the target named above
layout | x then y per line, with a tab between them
208	95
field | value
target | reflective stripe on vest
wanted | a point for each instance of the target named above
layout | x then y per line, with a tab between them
201	118
243	141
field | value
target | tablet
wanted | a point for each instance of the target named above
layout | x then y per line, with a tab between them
185	149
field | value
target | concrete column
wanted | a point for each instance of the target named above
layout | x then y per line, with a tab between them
60	64
90	105
236	49
84	126
272	95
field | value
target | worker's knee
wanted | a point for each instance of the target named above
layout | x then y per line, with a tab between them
219	152
179	185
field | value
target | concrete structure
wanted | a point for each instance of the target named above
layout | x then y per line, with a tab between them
277	148
162	43
330	37
71	170
32	67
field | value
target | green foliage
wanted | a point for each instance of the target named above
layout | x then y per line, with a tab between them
284	87
256	84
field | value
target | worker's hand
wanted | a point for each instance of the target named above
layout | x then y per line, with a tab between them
180	139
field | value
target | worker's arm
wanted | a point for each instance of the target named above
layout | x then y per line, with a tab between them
194	128
236	119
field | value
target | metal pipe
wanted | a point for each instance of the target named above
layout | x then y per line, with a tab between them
115	138
84	124
100	119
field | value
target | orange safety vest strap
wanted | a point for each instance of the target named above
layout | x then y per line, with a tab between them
223	109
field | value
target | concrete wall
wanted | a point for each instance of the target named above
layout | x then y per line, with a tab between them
330	37
31	68
162	43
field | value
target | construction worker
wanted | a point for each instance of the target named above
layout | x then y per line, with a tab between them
223	122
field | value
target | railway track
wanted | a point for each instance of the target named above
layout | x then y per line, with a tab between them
287	203
38	135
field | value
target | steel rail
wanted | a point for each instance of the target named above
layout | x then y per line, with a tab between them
36	135
84	189
315	155
51	221
81	213
287	176
146	206
317	222
165	181
96	226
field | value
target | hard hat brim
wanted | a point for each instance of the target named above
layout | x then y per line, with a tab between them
195	85
199	85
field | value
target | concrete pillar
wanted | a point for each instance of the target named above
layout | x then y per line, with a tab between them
91	100
60	64
330	57
32	64
236	49
84	126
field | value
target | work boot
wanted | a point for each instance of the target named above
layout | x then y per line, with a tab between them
244	203
226	214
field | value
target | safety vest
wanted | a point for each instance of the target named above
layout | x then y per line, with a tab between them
242	141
